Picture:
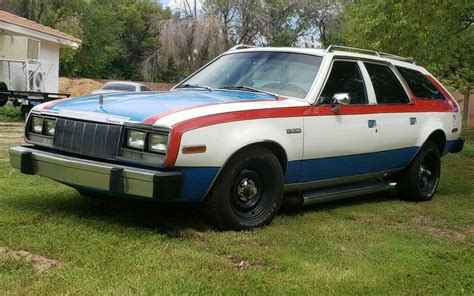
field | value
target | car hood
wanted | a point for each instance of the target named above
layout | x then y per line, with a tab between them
138	106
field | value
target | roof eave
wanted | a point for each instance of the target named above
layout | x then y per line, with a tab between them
74	44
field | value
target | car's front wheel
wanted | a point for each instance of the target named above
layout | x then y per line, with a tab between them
420	179
248	192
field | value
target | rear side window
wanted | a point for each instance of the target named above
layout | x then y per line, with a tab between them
144	88
119	87
388	89
345	77
420	85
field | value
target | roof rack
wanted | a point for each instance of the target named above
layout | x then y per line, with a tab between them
242	46
377	53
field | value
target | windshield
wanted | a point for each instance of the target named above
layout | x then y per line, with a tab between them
282	73
119	86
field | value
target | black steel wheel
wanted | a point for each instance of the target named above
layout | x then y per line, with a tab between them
248	192
421	178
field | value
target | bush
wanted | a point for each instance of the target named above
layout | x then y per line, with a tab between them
10	113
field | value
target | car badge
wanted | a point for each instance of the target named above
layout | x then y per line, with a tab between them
101	101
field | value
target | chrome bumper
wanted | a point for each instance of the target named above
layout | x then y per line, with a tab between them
95	175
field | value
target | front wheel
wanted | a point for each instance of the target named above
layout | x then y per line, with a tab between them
249	191
420	179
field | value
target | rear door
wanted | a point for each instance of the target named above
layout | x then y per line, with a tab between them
398	120
340	144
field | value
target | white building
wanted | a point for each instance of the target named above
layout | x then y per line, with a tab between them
29	54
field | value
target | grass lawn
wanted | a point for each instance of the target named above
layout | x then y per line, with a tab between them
368	245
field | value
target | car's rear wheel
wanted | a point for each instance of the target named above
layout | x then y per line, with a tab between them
420	179
248	192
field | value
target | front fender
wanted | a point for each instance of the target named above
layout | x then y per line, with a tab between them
223	140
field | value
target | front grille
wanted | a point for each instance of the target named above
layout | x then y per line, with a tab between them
87	138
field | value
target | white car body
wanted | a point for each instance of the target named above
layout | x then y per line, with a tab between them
317	144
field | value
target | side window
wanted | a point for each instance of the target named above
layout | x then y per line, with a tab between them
345	77
387	87
420	85
144	88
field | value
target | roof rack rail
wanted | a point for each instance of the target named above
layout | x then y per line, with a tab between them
377	53
242	46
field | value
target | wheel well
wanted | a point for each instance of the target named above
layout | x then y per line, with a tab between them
439	138
279	153
275	148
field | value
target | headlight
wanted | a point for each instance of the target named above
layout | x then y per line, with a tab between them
136	139
49	126
37	125
158	143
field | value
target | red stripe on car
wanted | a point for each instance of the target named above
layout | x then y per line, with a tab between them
180	128
417	105
154	118
54	103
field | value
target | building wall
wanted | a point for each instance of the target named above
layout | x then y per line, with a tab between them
49	56
10	47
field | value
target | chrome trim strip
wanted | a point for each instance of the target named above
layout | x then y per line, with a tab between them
338	181
323	196
84	115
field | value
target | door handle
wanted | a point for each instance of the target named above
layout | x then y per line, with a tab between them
372	123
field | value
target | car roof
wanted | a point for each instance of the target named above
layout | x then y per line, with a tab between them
338	53
124	82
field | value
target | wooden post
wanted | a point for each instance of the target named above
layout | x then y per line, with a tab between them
465	113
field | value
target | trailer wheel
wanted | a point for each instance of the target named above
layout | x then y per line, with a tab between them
25	109
3	98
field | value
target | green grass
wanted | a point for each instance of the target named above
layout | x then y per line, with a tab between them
368	245
9	113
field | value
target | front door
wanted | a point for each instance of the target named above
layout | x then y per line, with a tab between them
341	144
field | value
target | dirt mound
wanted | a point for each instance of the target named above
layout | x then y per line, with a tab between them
40	263
78	86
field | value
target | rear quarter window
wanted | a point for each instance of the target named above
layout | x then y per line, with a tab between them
387	87
420	85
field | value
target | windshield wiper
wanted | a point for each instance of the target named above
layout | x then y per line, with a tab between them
247	88
188	85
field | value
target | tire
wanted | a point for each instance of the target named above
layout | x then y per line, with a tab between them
3	98
420	179
249	191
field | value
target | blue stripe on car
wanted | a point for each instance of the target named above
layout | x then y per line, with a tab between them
198	180
351	165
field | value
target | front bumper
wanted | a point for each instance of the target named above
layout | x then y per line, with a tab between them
95	175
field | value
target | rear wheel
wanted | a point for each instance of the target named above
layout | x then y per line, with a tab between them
249	191
420	179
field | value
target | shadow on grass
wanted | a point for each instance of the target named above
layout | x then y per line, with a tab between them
169	219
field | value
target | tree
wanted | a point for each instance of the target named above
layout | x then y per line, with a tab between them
439	35
321	18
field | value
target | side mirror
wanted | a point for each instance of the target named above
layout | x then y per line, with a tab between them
338	100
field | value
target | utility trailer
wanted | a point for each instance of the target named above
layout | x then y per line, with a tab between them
29	61
27	78
26	100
